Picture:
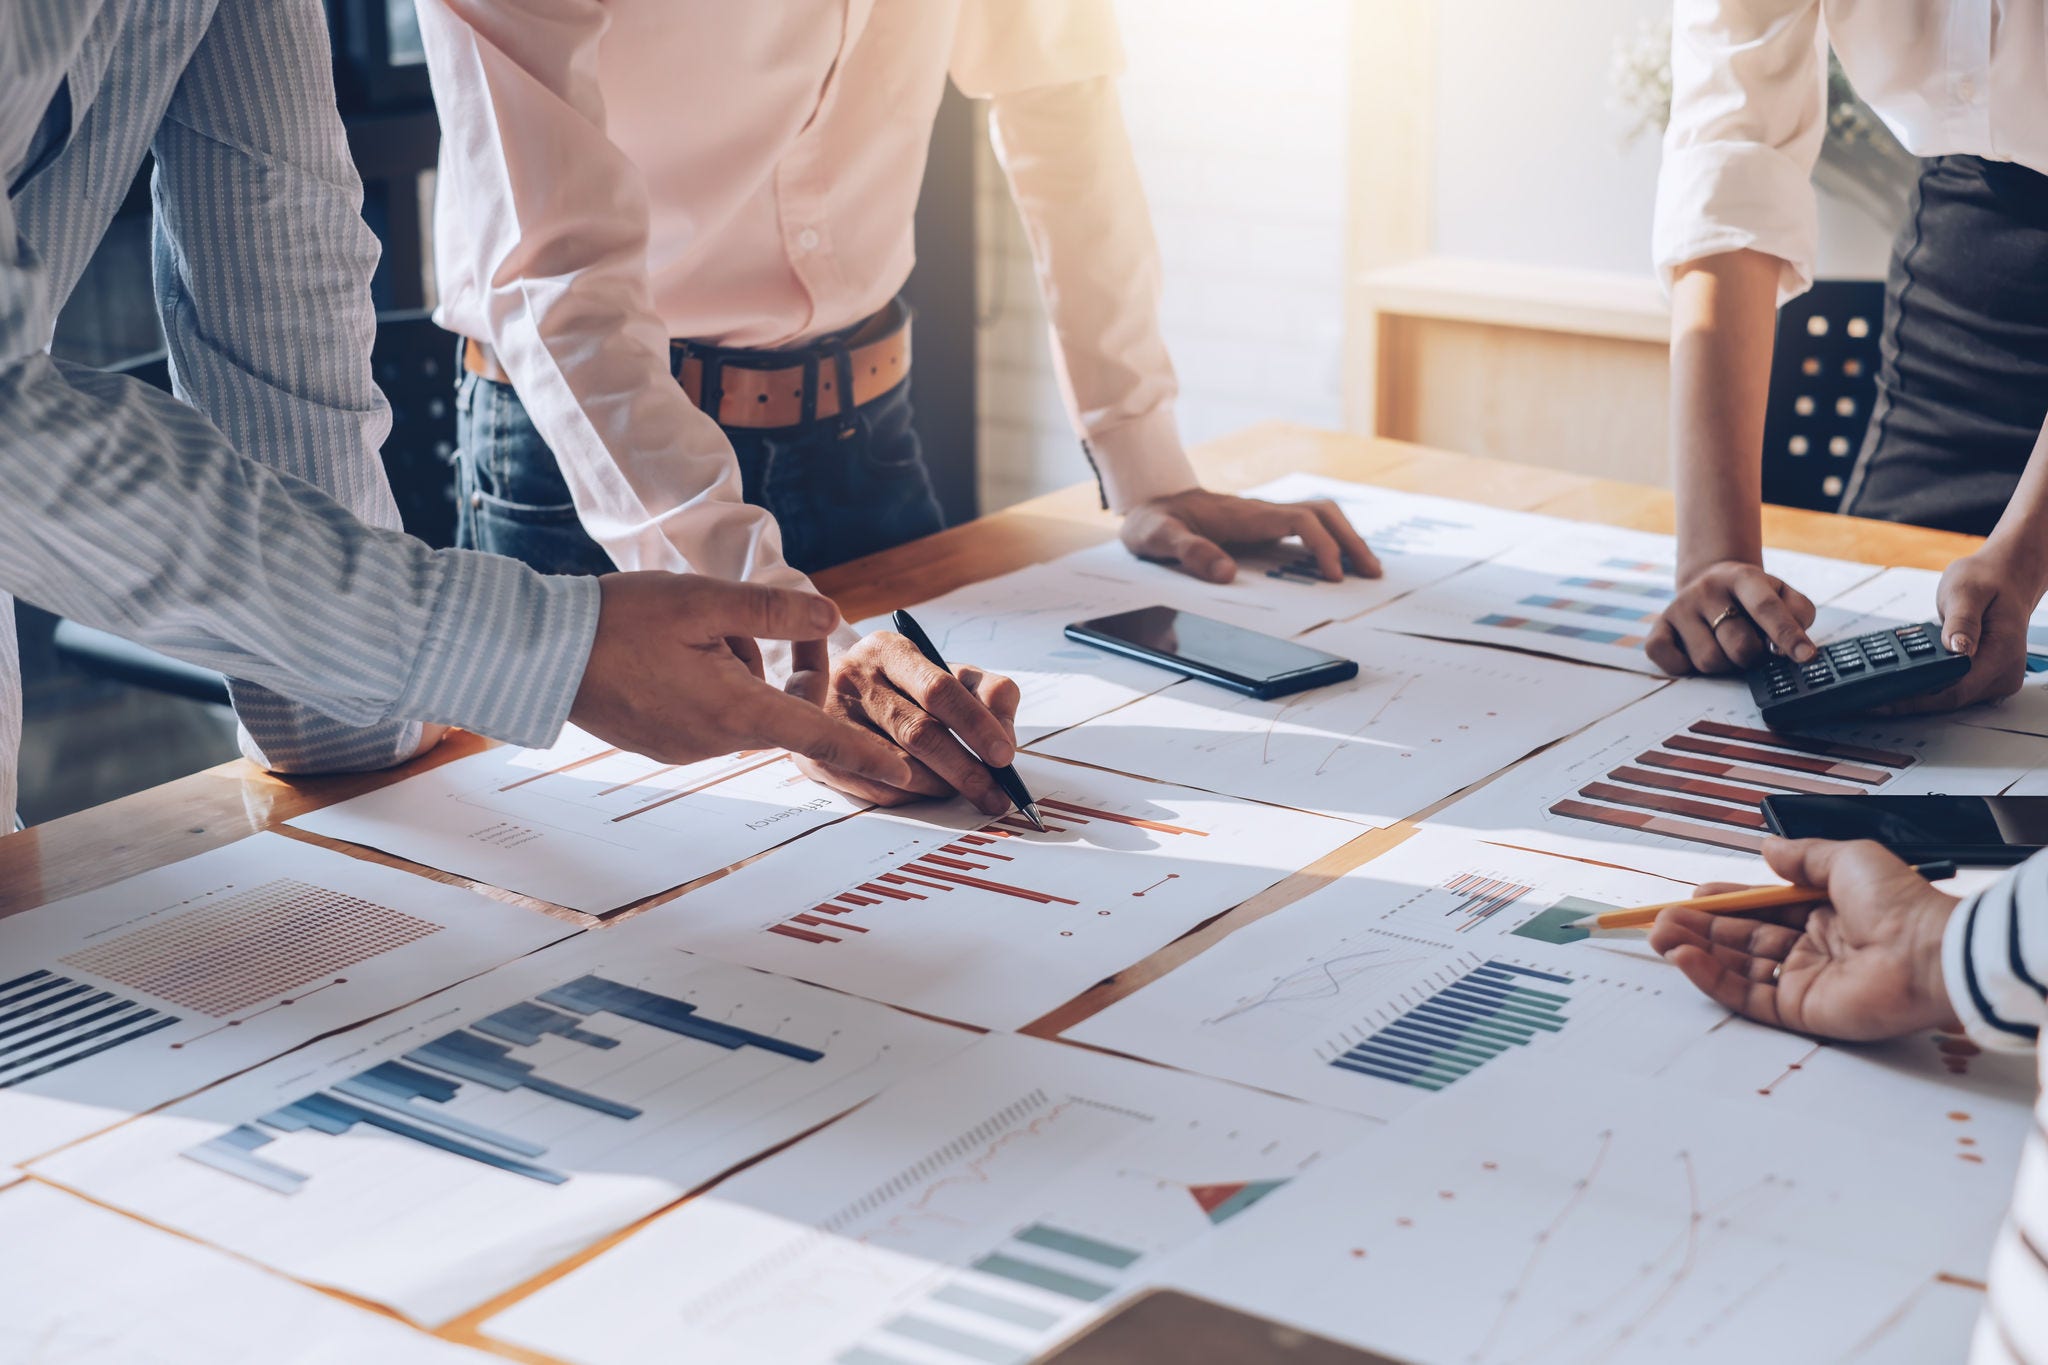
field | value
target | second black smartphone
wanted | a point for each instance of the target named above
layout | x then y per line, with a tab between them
1214	651
1985	831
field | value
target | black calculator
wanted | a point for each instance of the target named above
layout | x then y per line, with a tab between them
1855	675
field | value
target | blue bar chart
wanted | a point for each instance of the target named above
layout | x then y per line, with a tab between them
1489	1010
409	1097
49	1021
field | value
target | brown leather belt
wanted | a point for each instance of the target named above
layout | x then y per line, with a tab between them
766	389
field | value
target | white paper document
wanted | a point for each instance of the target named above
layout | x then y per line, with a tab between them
1015	624
90	1287
1278	589
584	825
1585	592
987	921
433	1159
1439	959
1899	597
1674	784
1422	720
123	998
975	1214
1572	1216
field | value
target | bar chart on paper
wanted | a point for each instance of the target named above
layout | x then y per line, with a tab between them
446	1152
1583	1216
973	1215
584	825
1676	783
989	921
1584	592
1434	961
1418	539
1421	720
122	998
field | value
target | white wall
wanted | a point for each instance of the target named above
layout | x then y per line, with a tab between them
1239	125
1531	165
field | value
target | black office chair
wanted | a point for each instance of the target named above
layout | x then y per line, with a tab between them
412	360
1823	381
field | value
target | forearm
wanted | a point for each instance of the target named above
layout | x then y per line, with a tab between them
129	512
1069	163
2020	539
1723	321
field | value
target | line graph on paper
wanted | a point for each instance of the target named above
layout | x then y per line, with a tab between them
1585	1217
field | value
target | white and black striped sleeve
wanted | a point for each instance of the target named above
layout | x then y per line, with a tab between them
1995	959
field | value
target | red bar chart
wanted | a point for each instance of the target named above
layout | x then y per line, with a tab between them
992	922
960	864
1706	784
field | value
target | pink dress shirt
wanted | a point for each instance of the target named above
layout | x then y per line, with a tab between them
618	172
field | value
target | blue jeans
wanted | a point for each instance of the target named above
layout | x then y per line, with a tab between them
838	490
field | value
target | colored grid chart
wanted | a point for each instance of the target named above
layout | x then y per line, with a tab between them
1578	591
1632	621
955	865
250	946
402	1098
1706	784
1477	1016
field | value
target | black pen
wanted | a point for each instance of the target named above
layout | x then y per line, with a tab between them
1006	777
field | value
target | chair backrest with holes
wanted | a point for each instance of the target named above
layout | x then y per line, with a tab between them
415	362
1823	380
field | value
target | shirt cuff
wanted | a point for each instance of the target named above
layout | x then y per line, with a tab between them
2000	1012
1139	460
504	650
1732	196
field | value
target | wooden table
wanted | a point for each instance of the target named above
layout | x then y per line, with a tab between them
229	802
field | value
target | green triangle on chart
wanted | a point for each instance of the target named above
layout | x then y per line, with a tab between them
1224	1202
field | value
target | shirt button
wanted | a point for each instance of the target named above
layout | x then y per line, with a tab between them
1966	90
476	500
808	239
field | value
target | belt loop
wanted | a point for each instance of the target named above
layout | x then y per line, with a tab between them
842	362
810	407
712	399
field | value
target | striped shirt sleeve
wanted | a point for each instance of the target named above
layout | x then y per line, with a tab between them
241	531
1994	959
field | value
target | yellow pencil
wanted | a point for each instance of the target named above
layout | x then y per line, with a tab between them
1734	902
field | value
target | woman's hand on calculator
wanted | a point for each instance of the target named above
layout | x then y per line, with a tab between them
1727	617
1985	600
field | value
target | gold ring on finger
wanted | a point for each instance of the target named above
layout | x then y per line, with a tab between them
1728	613
1777	970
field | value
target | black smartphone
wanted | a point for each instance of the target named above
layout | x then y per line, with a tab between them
1214	651
1164	1324
1991	831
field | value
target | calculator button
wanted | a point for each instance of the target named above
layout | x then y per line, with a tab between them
1850	664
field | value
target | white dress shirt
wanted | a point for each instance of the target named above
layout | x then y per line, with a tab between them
618	172
1748	108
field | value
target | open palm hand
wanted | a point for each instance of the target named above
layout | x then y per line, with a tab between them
1865	966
